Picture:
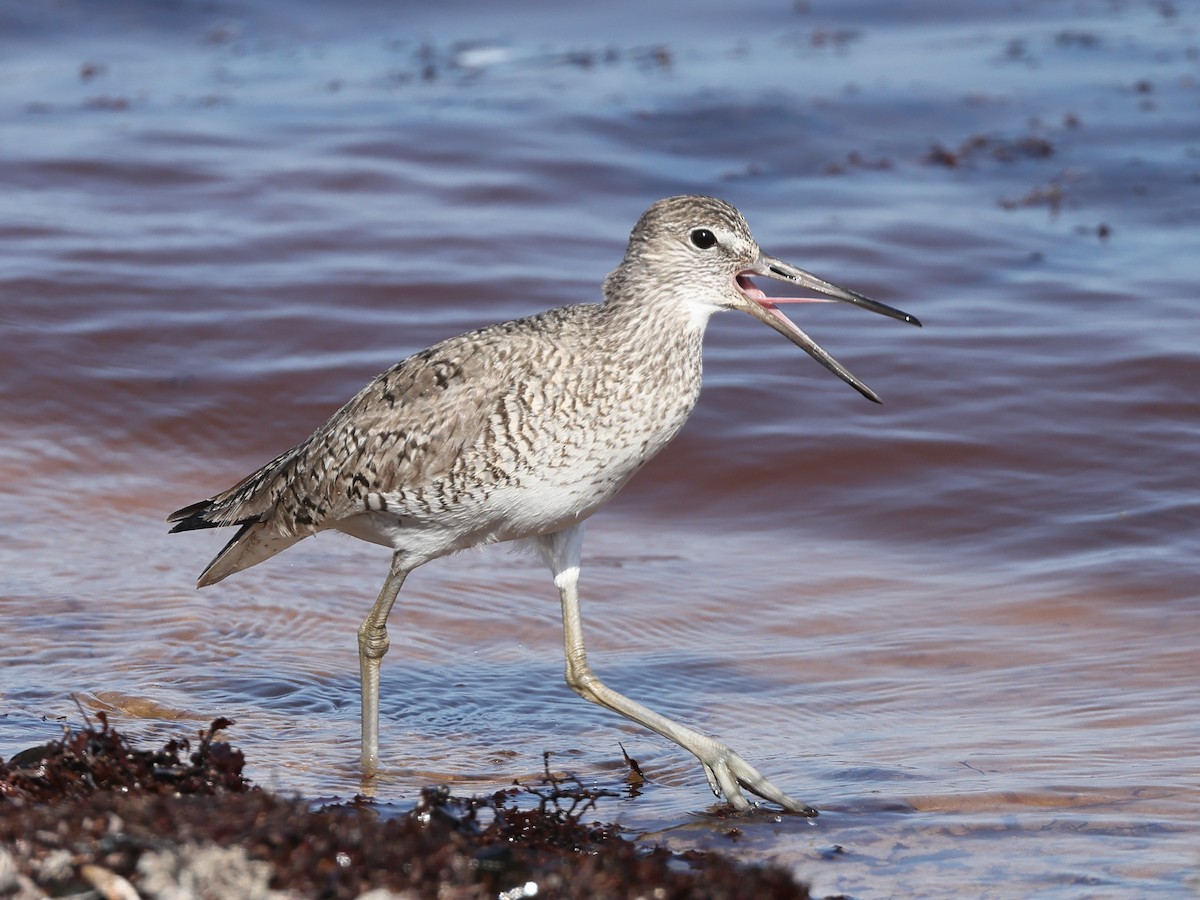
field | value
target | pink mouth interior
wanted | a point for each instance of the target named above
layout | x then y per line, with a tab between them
751	290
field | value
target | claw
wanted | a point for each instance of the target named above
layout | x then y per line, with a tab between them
728	773
713	784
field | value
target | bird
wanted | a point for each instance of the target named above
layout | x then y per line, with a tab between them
519	431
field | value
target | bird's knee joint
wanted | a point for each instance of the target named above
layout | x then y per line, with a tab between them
373	642
581	681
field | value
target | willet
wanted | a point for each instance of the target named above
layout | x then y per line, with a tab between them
519	432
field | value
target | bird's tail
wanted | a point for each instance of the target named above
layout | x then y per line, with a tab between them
254	541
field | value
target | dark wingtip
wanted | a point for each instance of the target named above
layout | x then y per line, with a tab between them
192	509
195	517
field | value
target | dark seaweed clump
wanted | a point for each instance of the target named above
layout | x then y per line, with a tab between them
90	814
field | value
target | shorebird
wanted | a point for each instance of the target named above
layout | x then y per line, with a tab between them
519	432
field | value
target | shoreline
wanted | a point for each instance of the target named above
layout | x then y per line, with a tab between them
90	814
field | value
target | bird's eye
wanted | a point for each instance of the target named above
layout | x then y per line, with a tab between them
703	238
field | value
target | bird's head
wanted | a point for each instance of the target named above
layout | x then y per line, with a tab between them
699	252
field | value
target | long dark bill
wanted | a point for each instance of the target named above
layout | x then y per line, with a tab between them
765	309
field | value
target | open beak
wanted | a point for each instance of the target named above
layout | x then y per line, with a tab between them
764	308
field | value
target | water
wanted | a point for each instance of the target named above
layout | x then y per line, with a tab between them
963	624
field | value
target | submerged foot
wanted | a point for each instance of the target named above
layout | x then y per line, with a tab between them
728	773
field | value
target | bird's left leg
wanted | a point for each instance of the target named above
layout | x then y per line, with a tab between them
373	643
727	772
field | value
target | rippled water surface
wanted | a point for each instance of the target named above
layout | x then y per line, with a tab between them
963	624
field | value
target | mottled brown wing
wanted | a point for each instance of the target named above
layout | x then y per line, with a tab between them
403	430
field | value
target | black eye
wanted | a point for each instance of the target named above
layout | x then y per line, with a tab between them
703	238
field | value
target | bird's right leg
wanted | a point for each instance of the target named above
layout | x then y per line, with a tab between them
372	645
728	773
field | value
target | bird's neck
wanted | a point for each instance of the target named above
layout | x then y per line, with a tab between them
654	311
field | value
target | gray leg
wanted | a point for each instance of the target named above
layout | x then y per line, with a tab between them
372	645
727	772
